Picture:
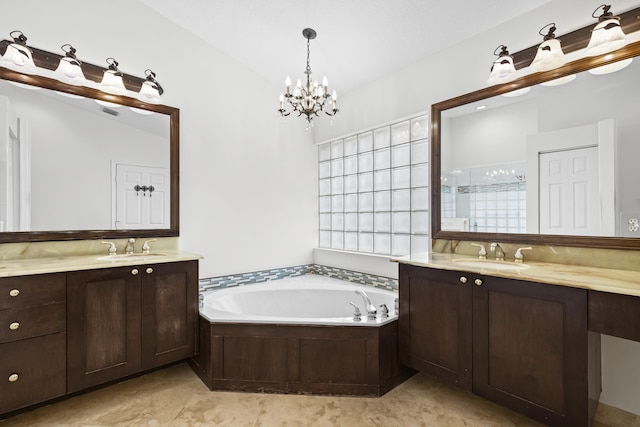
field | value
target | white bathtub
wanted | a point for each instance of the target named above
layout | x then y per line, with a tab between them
308	299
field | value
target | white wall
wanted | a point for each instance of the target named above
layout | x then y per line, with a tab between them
248	181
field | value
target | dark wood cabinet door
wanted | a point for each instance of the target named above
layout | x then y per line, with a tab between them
435	323
103	325
169	312
531	349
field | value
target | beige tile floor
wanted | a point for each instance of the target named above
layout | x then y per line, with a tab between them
174	396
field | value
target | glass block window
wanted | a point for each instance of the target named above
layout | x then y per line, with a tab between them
374	190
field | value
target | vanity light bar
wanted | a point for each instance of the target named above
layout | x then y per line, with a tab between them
50	61
578	39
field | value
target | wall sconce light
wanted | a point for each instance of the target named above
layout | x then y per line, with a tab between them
549	54
70	68
112	79
18	56
502	70
607	35
150	91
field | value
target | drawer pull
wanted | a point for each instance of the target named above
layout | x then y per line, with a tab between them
13	378
135	271
149	270
14	326
463	279
478	282
14	292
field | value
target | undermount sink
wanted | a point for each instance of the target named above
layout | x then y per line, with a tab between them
126	257
494	265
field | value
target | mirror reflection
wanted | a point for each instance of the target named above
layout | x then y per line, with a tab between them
557	160
73	164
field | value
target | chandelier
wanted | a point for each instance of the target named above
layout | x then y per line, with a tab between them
312	98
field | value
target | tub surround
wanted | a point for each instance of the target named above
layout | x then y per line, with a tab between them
328	354
221	282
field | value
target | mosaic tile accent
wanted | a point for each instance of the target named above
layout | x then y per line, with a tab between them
213	283
356	277
220	282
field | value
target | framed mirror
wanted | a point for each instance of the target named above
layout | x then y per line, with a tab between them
534	162
78	163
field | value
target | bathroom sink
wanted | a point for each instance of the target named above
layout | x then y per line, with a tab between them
127	257
494	265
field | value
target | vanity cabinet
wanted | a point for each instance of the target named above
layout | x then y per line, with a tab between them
521	344
124	320
32	340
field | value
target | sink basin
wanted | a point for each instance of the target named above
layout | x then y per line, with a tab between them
494	265
127	257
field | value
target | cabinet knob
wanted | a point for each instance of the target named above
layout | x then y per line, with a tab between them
14	292
14	326
149	270
463	279
478	282
13	378
135	271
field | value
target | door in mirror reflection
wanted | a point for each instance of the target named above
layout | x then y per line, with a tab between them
142	197
569	192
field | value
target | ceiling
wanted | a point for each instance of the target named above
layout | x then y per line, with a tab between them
358	41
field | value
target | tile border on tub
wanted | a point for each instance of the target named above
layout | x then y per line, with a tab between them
221	282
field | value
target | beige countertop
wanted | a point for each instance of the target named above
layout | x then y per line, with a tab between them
624	282
30	266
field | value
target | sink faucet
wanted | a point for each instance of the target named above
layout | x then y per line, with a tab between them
496	249
112	247
145	246
371	309
129	248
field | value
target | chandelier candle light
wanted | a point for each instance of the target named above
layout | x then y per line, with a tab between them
310	99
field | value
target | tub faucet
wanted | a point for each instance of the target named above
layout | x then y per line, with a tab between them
497	251
370	308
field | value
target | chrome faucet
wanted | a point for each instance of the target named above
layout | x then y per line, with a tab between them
497	251
129	248
519	258
145	246
112	247
370	308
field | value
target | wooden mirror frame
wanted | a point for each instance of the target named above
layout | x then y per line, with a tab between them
577	66
47	60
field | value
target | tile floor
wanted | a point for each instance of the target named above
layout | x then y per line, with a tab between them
174	396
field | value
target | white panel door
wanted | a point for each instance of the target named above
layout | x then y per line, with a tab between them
568	184
142	197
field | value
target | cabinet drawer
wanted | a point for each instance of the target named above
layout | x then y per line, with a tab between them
24	291
32	371
21	323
